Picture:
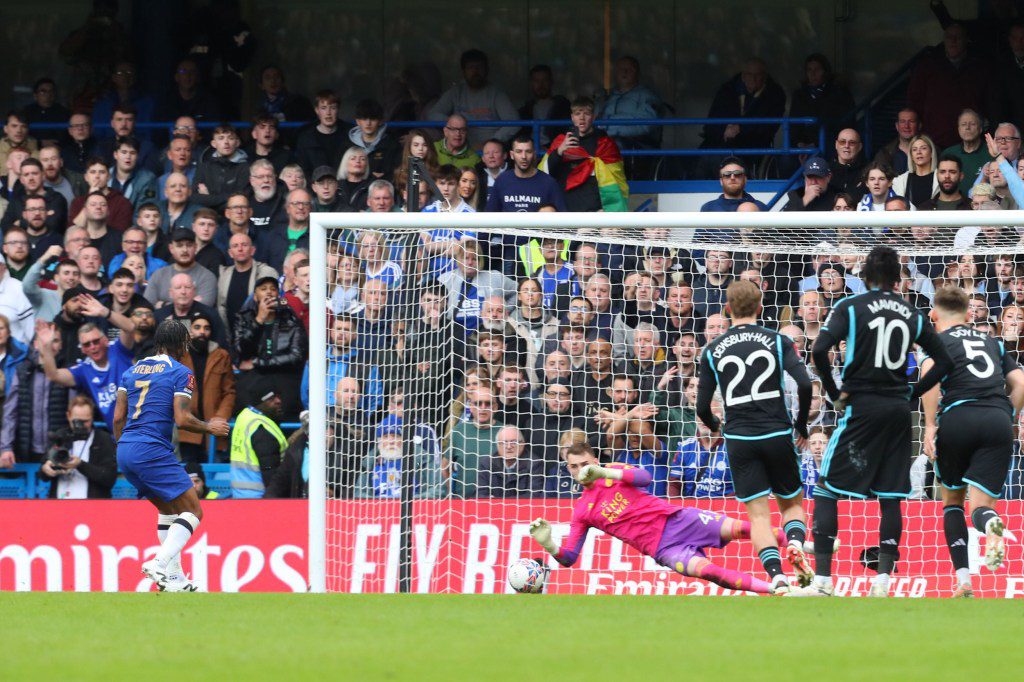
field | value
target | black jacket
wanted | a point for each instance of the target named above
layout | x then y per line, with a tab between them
30	374
822	203
831	104
56	209
525	479
101	469
272	246
849	179
222	178
287	480
313	148
280	345
355	194
279	156
545	430
769	103
268	214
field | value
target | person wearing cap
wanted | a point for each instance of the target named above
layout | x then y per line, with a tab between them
222	173
183	256
198	477
816	195
257	444
325	192
826	254
15	306
381	474
291	480
832	284
272	343
732	175
214	394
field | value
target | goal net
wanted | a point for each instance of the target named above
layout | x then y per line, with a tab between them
455	357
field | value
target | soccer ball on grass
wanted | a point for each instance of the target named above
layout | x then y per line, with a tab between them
527	576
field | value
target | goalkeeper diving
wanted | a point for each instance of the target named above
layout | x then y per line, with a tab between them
676	537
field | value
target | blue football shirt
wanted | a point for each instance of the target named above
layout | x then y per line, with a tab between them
150	387
101	382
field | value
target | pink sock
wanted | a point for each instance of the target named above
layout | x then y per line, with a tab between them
734	580
780	535
741	530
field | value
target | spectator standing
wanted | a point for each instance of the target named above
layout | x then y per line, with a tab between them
919	184
222	173
277	102
271	342
238	280
587	164
321	144
267	199
45	301
214	394
265	143
44	107
184	306
946	81
136	184
848	169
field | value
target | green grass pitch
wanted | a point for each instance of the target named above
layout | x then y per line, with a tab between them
532	637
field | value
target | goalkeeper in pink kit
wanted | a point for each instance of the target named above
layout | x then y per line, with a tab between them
612	501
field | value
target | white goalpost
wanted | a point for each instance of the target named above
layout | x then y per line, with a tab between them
453	357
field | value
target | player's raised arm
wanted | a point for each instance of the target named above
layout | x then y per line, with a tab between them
120	411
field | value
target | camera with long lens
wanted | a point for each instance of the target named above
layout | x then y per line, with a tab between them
61	441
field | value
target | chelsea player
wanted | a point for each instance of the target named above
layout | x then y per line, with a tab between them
152	397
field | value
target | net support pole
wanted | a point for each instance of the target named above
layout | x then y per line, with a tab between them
317	554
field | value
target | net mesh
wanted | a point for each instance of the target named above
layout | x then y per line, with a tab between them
460	365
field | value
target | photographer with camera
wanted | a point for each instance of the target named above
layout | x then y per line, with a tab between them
81	463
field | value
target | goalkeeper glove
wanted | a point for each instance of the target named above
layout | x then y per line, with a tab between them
540	530
592	472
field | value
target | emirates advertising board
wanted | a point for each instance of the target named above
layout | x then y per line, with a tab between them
456	547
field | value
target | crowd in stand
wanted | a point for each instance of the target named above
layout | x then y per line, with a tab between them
503	350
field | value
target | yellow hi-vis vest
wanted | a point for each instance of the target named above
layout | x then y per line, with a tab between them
533	258
246	478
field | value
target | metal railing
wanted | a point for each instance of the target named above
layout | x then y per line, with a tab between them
537	125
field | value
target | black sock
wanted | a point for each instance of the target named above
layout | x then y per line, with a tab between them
890	530
826	527
795	530
771	560
980	517
955	525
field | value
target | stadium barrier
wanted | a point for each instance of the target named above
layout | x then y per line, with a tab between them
261	546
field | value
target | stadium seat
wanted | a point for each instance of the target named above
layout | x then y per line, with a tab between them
123	490
218	478
14	486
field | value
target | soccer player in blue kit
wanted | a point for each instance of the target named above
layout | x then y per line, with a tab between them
153	396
